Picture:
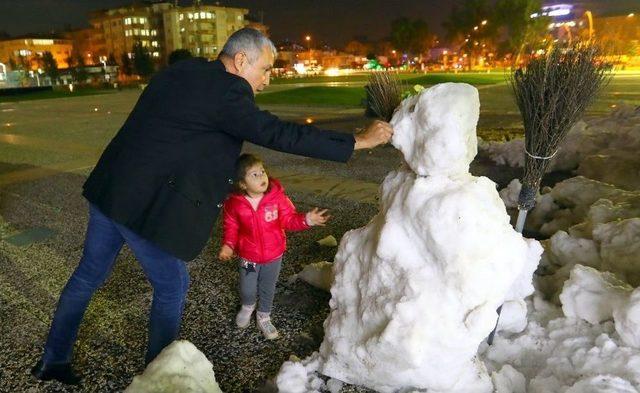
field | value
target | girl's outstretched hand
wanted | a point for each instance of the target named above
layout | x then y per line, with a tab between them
317	217
226	253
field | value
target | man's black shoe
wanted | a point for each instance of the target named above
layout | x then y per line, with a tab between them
60	372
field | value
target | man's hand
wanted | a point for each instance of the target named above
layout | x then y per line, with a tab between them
226	253
378	133
317	217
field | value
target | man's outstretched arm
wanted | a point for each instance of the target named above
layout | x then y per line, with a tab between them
243	119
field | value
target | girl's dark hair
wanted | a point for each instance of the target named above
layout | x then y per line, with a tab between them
244	162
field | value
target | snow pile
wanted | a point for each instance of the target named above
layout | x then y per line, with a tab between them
180	367
556	354
604	149
590	223
416	290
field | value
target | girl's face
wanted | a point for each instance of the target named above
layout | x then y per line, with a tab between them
255	181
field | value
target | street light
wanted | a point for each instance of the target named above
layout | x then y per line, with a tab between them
308	39
590	18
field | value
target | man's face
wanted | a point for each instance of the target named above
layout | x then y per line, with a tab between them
258	73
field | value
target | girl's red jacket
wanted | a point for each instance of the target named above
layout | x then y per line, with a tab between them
259	235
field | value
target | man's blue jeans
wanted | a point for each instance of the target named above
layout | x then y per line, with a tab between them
167	274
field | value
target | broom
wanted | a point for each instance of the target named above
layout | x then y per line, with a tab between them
552	93
384	92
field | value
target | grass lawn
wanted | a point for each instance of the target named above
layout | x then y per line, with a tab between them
493	99
43	95
430	78
315	95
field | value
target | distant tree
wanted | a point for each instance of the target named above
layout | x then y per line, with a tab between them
383	47
71	60
125	64
50	66
80	73
356	48
13	64
142	62
466	28
111	60
23	63
522	32
280	63
410	36
467	14
179	54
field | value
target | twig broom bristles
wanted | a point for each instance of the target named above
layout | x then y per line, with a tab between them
384	93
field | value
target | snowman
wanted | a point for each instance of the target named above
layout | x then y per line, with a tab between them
416	290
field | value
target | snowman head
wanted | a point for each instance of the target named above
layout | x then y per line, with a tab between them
436	129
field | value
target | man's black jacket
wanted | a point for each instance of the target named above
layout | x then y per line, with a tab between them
167	171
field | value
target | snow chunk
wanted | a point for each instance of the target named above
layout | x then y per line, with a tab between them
602	384
319	274
592	295
180	367
509	380
298	376
627	320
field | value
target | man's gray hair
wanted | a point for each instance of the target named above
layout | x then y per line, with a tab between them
247	40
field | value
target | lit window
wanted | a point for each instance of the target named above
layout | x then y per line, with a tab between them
239	17
196	16
136	31
127	21
127	33
209	15
154	32
203	15
156	54
190	15
181	17
130	55
145	44
154	44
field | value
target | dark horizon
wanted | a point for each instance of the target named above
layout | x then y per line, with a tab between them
335	22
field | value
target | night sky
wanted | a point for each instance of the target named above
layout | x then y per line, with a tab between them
332	21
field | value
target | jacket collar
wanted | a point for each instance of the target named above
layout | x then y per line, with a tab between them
275	188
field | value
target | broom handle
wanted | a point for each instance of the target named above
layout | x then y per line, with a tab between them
522	216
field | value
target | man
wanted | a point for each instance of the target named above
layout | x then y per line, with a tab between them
160	183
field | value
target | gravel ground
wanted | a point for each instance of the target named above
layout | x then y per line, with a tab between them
111	345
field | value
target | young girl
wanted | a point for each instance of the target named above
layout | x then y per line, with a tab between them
255	218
